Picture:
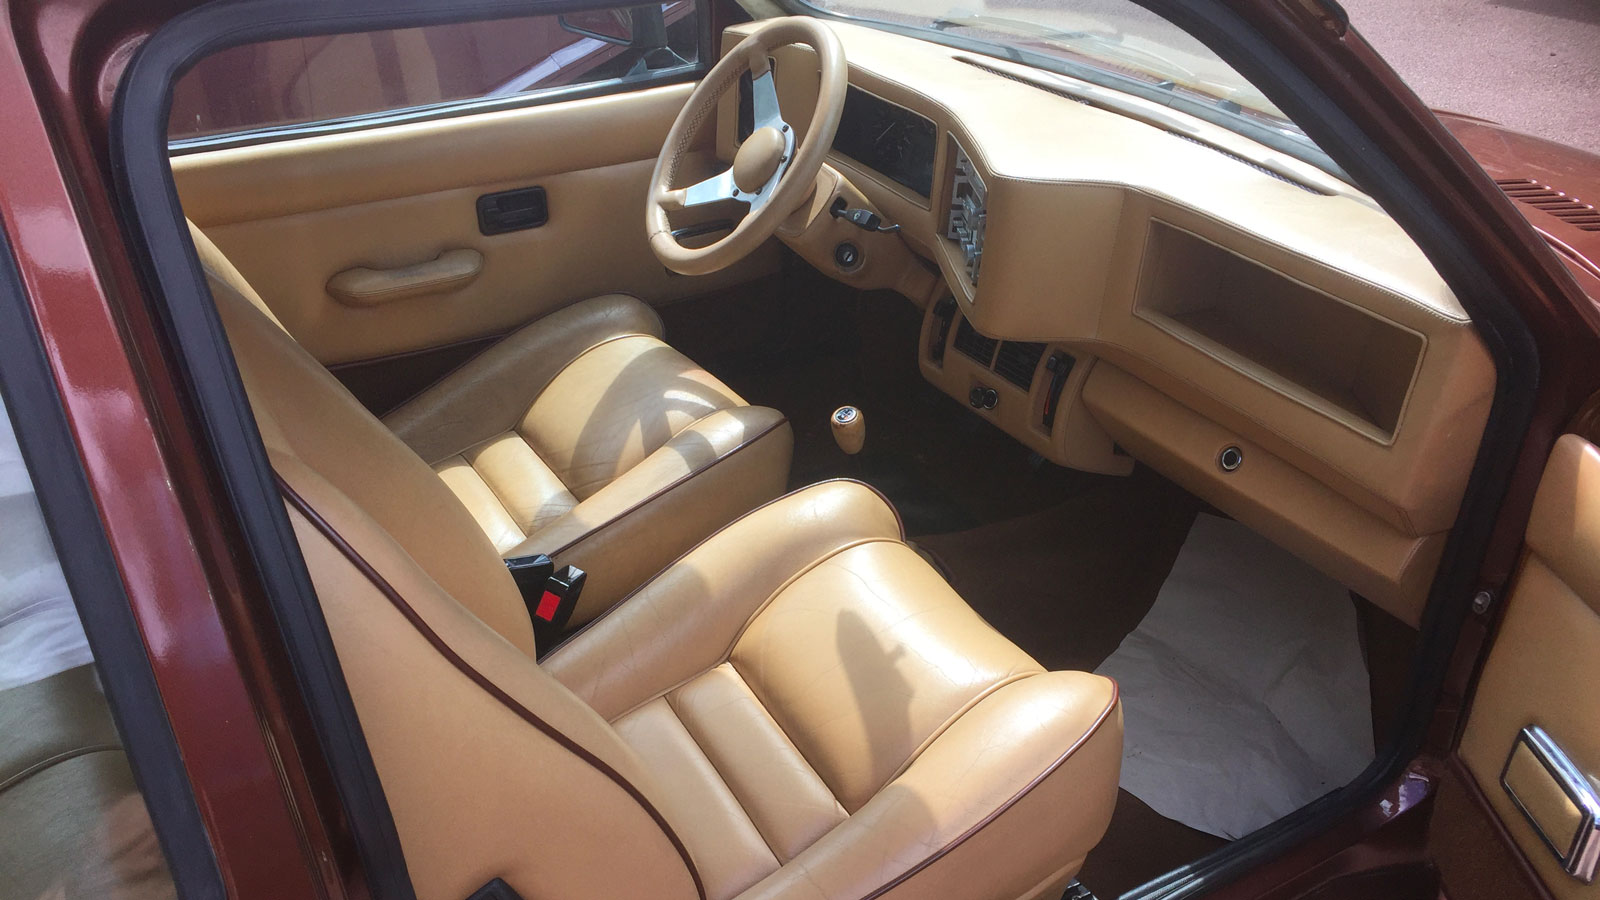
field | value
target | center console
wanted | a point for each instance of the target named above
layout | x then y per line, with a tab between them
1033	391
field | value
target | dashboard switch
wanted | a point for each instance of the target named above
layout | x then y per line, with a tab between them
968	213
981	397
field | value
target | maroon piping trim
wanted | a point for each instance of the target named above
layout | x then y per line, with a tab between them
662	492
489	687
1116	696
631	594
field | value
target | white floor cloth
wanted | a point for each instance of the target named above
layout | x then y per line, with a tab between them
1244	692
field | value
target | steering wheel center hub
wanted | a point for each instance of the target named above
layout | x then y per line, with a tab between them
758	158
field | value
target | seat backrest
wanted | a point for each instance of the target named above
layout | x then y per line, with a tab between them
490	766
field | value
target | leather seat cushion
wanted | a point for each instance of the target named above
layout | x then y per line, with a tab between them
585	437
826	682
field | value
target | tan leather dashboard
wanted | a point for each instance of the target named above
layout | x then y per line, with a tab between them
1211	293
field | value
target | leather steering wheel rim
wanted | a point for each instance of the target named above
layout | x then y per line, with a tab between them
796	167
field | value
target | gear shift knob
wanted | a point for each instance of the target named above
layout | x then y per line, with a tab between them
849	428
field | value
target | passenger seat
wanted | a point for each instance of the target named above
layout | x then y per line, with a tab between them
582	436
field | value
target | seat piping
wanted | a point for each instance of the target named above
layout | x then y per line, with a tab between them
682	480
631	594
393	596
986	821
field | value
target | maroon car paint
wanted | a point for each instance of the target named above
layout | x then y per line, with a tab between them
1511	157
274	824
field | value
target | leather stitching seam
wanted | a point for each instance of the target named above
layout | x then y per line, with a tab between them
727	655
956	716
416	621
573	490
781	732
986	821
635	592
679	482
495	493
695	740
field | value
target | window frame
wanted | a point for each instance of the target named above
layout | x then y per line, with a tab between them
429	112
61	487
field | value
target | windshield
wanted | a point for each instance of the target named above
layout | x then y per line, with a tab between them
1116	38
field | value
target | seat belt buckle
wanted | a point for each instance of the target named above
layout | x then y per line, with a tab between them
551	594
530	573
555	603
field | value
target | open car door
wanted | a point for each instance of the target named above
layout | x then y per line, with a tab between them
1531	744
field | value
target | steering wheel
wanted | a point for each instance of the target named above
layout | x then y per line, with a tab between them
769	173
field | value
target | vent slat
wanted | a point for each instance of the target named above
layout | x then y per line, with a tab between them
971	344
1543	197
1017	362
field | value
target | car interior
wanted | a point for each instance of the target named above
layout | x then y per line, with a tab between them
966	479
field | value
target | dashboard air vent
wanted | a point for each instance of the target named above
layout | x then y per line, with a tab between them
1571	210
1017	361
974	345
1249	162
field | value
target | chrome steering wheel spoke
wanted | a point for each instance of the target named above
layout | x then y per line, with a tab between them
764	103
714	189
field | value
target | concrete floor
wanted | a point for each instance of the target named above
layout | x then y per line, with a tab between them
1532	65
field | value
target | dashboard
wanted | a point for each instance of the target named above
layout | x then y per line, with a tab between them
1110	280
891	140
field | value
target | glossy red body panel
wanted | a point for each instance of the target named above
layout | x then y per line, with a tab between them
273	822
235	769
1510	155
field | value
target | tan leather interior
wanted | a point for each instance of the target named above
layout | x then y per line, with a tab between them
777	696
799	706
582	436
382	200
1271	305
1546	656
74	823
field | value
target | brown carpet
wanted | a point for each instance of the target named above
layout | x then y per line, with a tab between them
1069	583
1140	845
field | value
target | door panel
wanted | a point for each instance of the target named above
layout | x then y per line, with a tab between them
293	214
1544	668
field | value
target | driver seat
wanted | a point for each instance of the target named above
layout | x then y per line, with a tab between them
581	434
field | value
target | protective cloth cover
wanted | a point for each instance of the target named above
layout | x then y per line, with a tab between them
39	630
1244	689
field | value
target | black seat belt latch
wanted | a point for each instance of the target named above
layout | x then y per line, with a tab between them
556	603
530	573
550	593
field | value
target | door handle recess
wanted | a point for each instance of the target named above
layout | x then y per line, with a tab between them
1558	800
451	270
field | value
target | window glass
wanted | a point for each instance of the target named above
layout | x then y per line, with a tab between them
1115	43
335	77
74	823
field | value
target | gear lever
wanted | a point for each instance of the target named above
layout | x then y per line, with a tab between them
849	429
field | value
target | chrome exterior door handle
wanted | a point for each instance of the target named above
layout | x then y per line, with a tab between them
1558	800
